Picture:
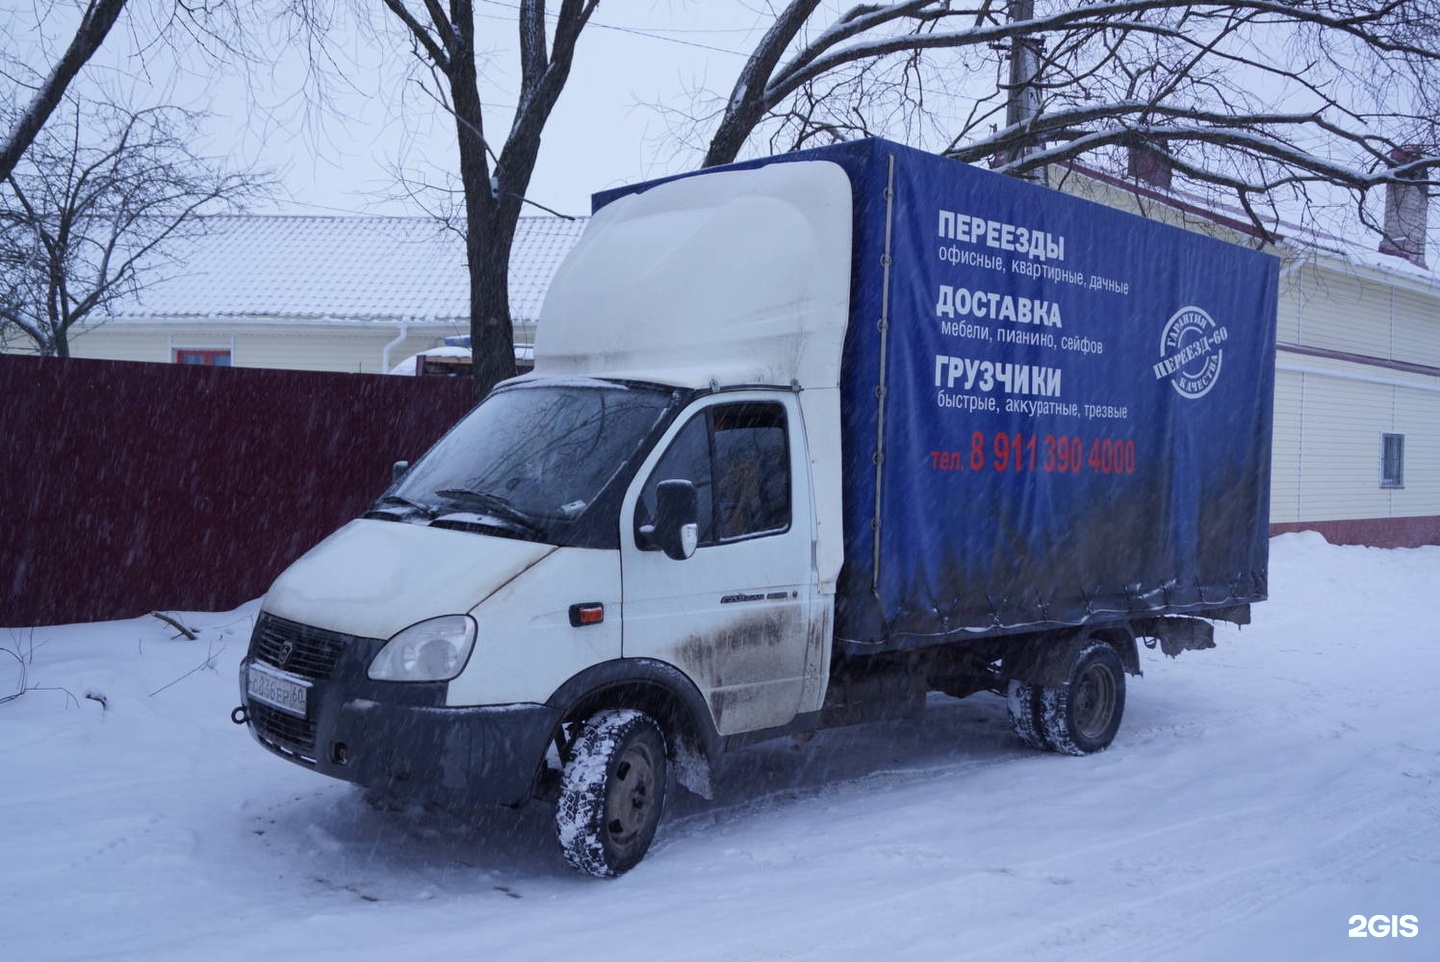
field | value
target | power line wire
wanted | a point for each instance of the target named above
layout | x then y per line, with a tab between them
634	31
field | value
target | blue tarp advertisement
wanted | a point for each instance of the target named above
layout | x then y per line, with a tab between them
1073	407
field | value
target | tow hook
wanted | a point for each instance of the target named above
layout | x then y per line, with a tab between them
239	715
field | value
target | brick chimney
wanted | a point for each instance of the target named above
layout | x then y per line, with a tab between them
1406	214
1148	166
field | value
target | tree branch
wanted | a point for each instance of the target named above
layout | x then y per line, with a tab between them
99	17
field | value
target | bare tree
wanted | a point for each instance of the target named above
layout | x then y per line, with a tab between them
1271	101
493	182
86	219
40	89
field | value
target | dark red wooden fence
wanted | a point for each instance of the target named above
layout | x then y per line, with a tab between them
129	487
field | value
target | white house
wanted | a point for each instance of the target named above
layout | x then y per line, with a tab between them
1357	400
342	293
1357	387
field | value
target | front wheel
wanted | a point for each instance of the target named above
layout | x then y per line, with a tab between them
1084	715
611	792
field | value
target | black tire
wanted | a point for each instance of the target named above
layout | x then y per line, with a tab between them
1083	716
612	793
1023	700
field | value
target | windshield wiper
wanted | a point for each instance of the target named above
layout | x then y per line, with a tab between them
494	504
394	500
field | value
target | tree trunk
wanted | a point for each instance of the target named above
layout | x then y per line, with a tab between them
487	238
492	336
493	199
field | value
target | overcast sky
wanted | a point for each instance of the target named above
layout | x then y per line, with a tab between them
606	130
640	66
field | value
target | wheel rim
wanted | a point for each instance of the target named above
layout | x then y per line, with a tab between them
1093	704
631	800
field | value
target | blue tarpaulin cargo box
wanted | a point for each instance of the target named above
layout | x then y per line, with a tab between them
1056	413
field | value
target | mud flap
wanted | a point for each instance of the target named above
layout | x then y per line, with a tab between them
1177	634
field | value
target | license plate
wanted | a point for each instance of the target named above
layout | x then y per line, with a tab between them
278	689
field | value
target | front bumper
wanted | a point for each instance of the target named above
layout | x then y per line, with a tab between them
398	737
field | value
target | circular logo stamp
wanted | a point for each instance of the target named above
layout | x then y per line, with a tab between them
1191	352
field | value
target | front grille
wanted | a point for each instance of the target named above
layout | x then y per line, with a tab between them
299	649
286	731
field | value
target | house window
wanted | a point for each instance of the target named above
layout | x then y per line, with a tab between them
203	357
1392	460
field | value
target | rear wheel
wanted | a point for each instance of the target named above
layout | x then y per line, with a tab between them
612	792
1084	715
1023	700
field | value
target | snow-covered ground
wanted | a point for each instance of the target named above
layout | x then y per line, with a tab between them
1258	796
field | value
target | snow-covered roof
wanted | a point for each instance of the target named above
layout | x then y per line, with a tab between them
345	267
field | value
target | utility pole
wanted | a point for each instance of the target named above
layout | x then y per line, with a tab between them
1023	102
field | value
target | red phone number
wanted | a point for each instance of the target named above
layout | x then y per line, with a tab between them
1050	453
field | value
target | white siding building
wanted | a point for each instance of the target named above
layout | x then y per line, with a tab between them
1357	388
1357	400
345	293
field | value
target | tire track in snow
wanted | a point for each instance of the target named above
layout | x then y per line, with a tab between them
1358	830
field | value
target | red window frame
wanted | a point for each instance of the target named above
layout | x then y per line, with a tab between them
207	357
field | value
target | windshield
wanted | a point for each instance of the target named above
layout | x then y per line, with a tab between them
532	455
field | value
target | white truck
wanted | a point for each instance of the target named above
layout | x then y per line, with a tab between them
805	440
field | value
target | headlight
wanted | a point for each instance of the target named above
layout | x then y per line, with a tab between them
434	650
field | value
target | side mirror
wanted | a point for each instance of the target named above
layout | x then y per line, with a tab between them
398	469
676	530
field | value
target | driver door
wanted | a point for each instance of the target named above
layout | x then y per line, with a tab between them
735	616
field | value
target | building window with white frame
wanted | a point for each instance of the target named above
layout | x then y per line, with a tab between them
1392	460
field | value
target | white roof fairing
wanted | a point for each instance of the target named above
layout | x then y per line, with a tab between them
731	277
726	278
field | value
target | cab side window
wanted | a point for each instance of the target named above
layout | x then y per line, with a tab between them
688	459
738	458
